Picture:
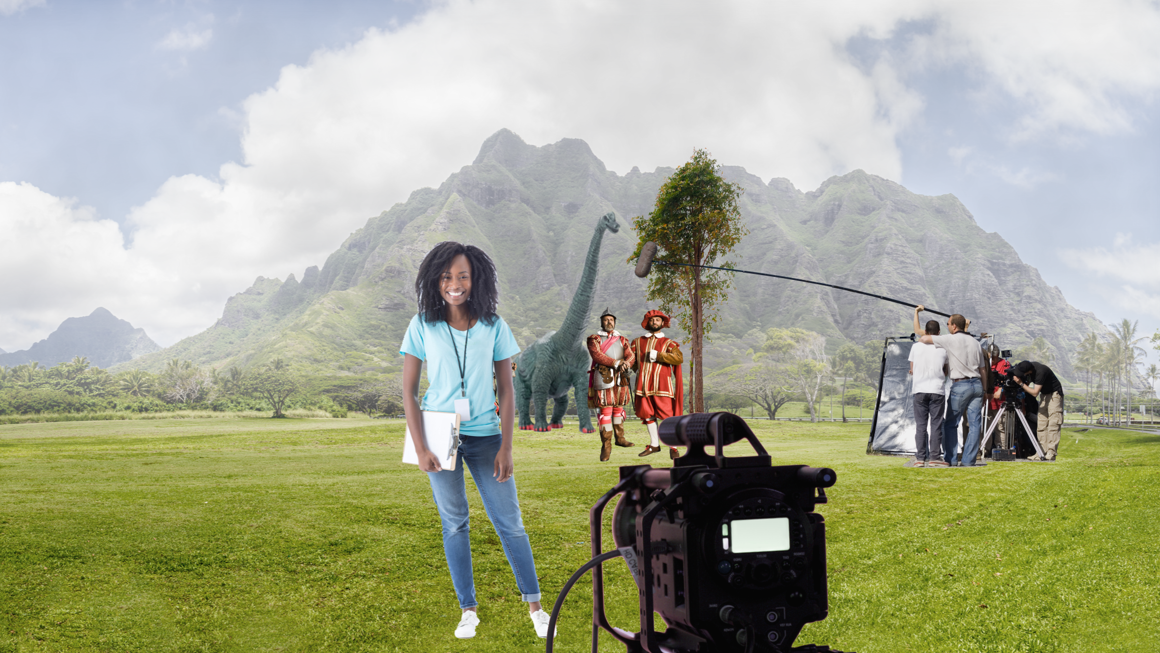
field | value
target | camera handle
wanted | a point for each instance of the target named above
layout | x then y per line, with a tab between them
595	525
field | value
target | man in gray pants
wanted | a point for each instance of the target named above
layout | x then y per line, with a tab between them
928	370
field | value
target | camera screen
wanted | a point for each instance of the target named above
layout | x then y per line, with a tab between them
760	535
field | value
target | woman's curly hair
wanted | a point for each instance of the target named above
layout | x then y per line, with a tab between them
484	297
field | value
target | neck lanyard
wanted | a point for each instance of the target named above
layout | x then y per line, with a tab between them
462	366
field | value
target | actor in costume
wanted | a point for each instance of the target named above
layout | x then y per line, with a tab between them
659	385
608	389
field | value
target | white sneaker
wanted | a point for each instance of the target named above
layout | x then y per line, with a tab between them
540	620
467	624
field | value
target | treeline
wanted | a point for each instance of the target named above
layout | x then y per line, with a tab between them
785	365
78	387
1111	368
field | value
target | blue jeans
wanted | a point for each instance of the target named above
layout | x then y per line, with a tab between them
966	395
503	509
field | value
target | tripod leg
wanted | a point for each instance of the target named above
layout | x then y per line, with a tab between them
991	428
1010	428
1030	434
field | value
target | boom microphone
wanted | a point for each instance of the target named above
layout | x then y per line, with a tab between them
644	262
649	251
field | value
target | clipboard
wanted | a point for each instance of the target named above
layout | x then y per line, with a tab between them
441	431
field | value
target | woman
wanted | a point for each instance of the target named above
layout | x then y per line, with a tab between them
464	344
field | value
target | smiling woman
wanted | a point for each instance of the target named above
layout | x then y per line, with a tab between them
465	345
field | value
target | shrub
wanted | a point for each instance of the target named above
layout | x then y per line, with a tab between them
22	401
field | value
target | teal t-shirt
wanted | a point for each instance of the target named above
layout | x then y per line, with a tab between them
485	344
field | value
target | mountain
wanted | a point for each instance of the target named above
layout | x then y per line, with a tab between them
534	208
101	337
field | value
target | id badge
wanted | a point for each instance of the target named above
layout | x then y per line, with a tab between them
463	407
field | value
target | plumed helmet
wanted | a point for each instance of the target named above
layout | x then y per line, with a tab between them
655	313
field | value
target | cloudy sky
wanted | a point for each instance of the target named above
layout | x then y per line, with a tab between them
157	156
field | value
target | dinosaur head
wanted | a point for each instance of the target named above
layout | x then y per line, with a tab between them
609	222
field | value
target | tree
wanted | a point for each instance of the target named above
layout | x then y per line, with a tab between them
230	383
185	383
137	383
1088	355
695	221
763	382
275	382
845	364
1039	350
802	361
1152	374
1129	352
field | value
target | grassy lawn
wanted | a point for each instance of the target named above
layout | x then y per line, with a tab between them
310	535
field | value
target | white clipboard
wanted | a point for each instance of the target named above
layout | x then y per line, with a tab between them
441	431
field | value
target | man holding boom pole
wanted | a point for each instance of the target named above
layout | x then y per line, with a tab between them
965	359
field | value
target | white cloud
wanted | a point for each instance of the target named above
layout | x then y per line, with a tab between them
1134	266
957	154
1070	64
59	261
767	86
9	7
186	39
1137	263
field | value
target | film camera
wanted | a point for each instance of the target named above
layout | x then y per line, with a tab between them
729	551
1005	379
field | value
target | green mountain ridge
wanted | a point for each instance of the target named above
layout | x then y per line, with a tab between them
533	210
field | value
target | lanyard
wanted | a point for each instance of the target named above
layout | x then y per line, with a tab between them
462	366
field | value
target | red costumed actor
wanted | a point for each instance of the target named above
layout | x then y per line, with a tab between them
608	388
660	390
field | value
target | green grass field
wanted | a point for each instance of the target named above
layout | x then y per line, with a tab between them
310	535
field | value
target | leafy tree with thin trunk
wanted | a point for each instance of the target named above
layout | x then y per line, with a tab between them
695	221
763	382
845	363
805	361
276	383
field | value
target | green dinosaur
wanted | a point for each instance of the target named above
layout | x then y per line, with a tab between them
559	361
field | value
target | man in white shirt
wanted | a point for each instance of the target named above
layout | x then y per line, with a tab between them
928	370
965	359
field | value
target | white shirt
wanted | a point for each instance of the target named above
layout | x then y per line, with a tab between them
927	361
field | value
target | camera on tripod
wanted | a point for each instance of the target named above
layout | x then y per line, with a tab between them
728	550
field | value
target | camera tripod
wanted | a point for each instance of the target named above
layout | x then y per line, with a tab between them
1005	449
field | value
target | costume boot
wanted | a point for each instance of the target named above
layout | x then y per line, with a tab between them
619	430
605	444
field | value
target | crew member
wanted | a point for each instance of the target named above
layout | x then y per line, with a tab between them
999	368
965	359
608	390
659	385
928	367
1039	381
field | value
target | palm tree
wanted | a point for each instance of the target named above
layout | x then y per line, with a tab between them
1087	357
1152	374
1109	368
1126	333
137	383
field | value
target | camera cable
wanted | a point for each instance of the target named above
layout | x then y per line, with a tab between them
615	553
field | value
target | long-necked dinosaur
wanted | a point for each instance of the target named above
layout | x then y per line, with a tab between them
559	361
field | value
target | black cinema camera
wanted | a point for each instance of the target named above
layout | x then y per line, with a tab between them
1006	379
729	551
